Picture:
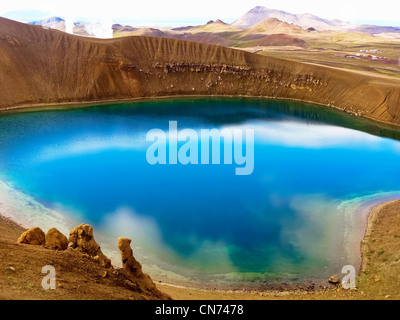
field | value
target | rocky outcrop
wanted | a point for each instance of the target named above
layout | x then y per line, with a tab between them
132	269
34	236
83	240
198	67
84	259
80	238
128	260
55	240
267	76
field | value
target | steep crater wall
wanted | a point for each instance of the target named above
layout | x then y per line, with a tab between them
40	66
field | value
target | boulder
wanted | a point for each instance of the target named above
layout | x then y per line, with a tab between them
34	236
82	238
55	240
334	279
128	260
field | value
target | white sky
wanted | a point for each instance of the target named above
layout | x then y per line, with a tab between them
203	10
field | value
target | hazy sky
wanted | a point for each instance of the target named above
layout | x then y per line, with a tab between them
200	11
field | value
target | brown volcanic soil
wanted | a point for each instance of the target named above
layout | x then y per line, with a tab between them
78	277
39	66
281	40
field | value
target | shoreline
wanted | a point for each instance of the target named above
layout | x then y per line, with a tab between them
334	292
361	216
366	281
362	222
372	218
85	104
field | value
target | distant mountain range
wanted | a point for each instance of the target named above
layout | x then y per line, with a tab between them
47	21
249	19
372	29
273	26
52	22
79	28
258	27
307	20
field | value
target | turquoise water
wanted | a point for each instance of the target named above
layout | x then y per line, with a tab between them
285	221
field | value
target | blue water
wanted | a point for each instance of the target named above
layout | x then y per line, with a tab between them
202	222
